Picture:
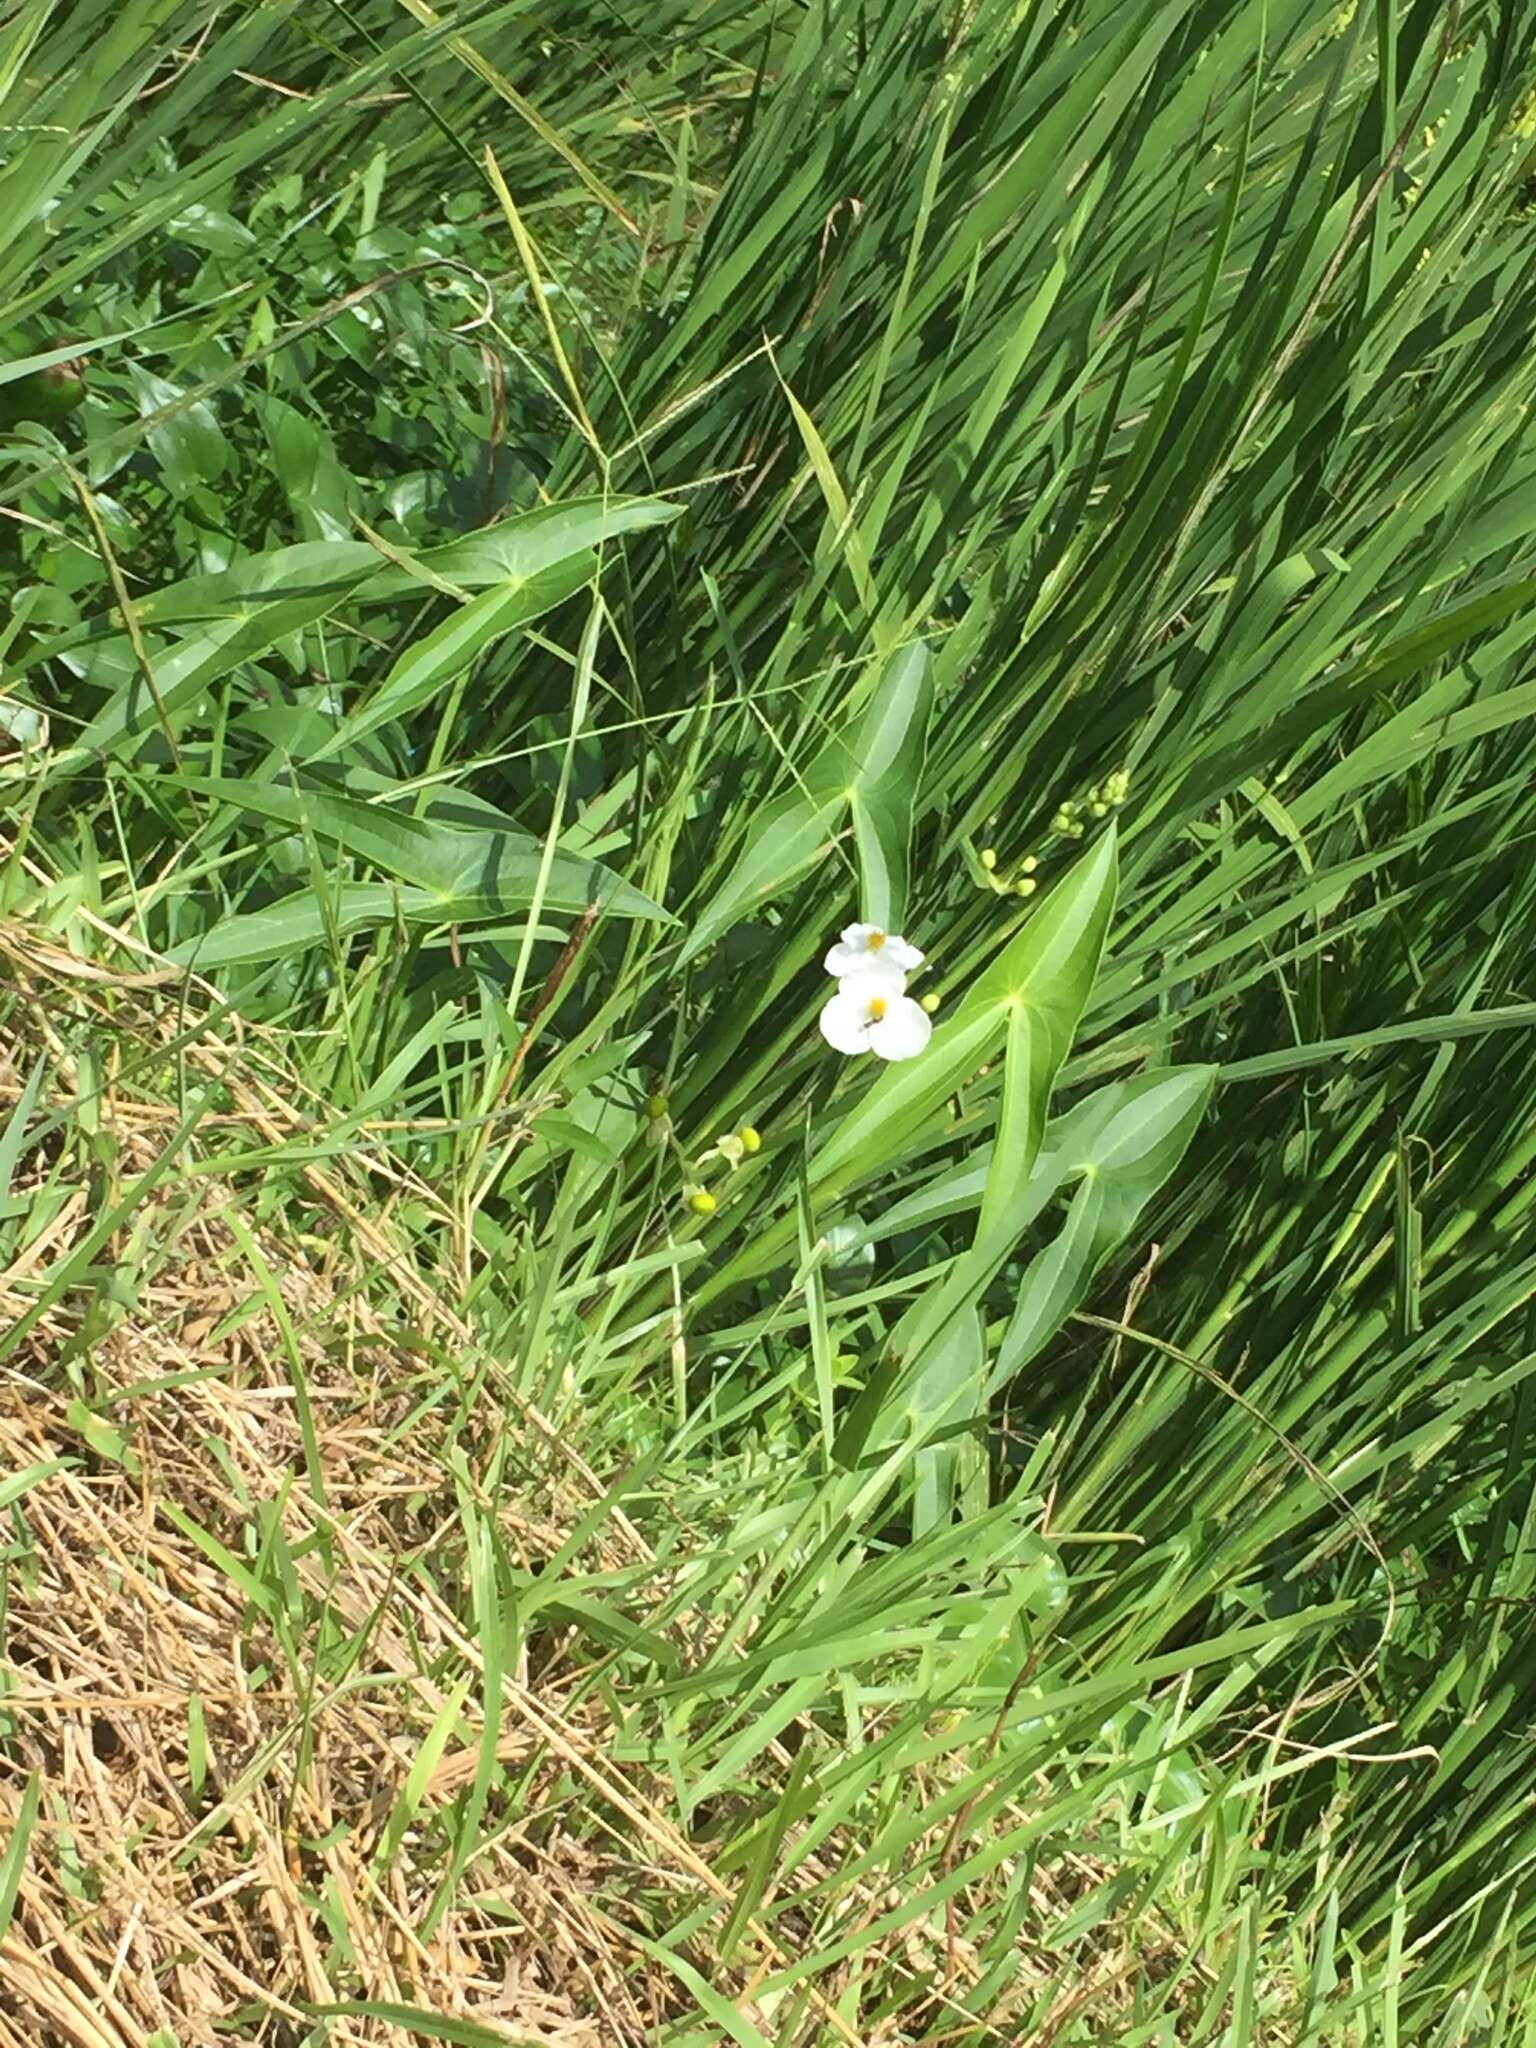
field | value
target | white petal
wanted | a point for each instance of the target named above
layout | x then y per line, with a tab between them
846	961
871	984
867	949
902	1032
844	1021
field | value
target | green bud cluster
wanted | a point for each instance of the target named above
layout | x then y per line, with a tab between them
1074	815
732	1149
1018	880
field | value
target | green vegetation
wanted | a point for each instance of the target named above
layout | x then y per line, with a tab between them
541	1504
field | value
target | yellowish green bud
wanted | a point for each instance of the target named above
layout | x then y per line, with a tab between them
702	1202
989	857
1028	864
1099	810
751	1140
930	1003
1026	887
656	1108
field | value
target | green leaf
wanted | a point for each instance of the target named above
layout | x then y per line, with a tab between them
874	772
1035	991
104	1440
840	531
1123	1155
305	461
927	1325
16	1485
424	1763
399	845
302	920
187	669
723	2013
787	837
526	546
892	743
424	670
14	1862
421	2024
308	570
1044	979
189	446
948	1393
494	869
13	1139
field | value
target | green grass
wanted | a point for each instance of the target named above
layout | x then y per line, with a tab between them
570	509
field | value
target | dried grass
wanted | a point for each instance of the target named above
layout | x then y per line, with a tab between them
145	1651
148	1904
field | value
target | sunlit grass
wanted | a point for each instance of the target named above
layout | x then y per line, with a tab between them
1043	1552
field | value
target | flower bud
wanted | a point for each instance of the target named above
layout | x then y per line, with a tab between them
702	1202
750	1139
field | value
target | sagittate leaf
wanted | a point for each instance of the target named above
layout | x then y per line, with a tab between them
301	921
1120	1145
1121	1158
519	549
948	1393
488	865
190	666
893	741
425	669
314	568
871	773
1043	980
522	567
1034	994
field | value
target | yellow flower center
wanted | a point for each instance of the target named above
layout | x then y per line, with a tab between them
875	941
877	1009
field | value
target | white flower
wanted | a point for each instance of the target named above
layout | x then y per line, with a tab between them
869	1013
865	949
